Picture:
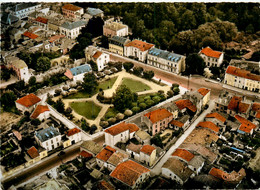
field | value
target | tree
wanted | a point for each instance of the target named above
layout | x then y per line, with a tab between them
26	57
93	65
128	66
118	66
35	122
89	82
148	75
138	71
93	128
85	125
176	90
8	100
255	56
194	64
43	64
104	42
5	74
59	105
32	81
123	98
156	140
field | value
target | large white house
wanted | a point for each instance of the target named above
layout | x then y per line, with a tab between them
121	132
98	56
72	29
49	138
137	49
165	60
22	10
113	28
211	57
27	103
77	73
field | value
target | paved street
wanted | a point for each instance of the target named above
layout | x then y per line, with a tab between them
157	169
41	167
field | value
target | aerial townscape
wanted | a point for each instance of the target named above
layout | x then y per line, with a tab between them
130	95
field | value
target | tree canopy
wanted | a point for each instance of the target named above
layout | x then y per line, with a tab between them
90	82
194	64
43	64
123	98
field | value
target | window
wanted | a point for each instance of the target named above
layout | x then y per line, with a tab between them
46	143
51	141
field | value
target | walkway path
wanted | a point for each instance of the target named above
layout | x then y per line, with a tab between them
109	93
157	169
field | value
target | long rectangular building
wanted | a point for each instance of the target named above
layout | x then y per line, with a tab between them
165	60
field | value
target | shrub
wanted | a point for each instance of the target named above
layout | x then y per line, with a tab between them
103	124
111	120
156	99
142	106
141	100
120	116
147	98
135	109
57	92
134	104
110	114
93	128
170	94
149	103
128	112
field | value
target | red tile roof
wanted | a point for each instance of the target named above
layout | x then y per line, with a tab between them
121	127
243	107
33	152
42	20
246	125
211	53
71	7
219	174
39	110
147	149
256	108
177	123
217	116
242	73
209	125
56	37
85	154
28	100
106	153
233	104
143	46
128	172
158	115
97	54
17	135
103	185
30	35
184	154
73	131
203	91
181	104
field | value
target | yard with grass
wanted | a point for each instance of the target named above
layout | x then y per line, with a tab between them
134	85
106	84
87	109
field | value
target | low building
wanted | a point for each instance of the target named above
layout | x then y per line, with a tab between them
77	73
117	43
165	60
114	28
143	137
104	185
34	153
93	12
176	170
131	174
246	127
104	155
98	56
137	49
115	159
51	184
9	19
72	29
22	10
91	147
206	95
255	111
209	125
211	57
74	135
41	112
72	11
237	106
182	123
186	105
42	22
148	155
242	78
121	132
133	150
27	103
19	66
157	120
49	138
216	118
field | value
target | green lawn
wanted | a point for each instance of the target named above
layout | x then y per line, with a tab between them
87	109
134	85
104	85
111	111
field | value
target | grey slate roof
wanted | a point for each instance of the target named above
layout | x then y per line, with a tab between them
117	40
47	133
94	11
165	54
80	69
8	18
22	6
72	25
